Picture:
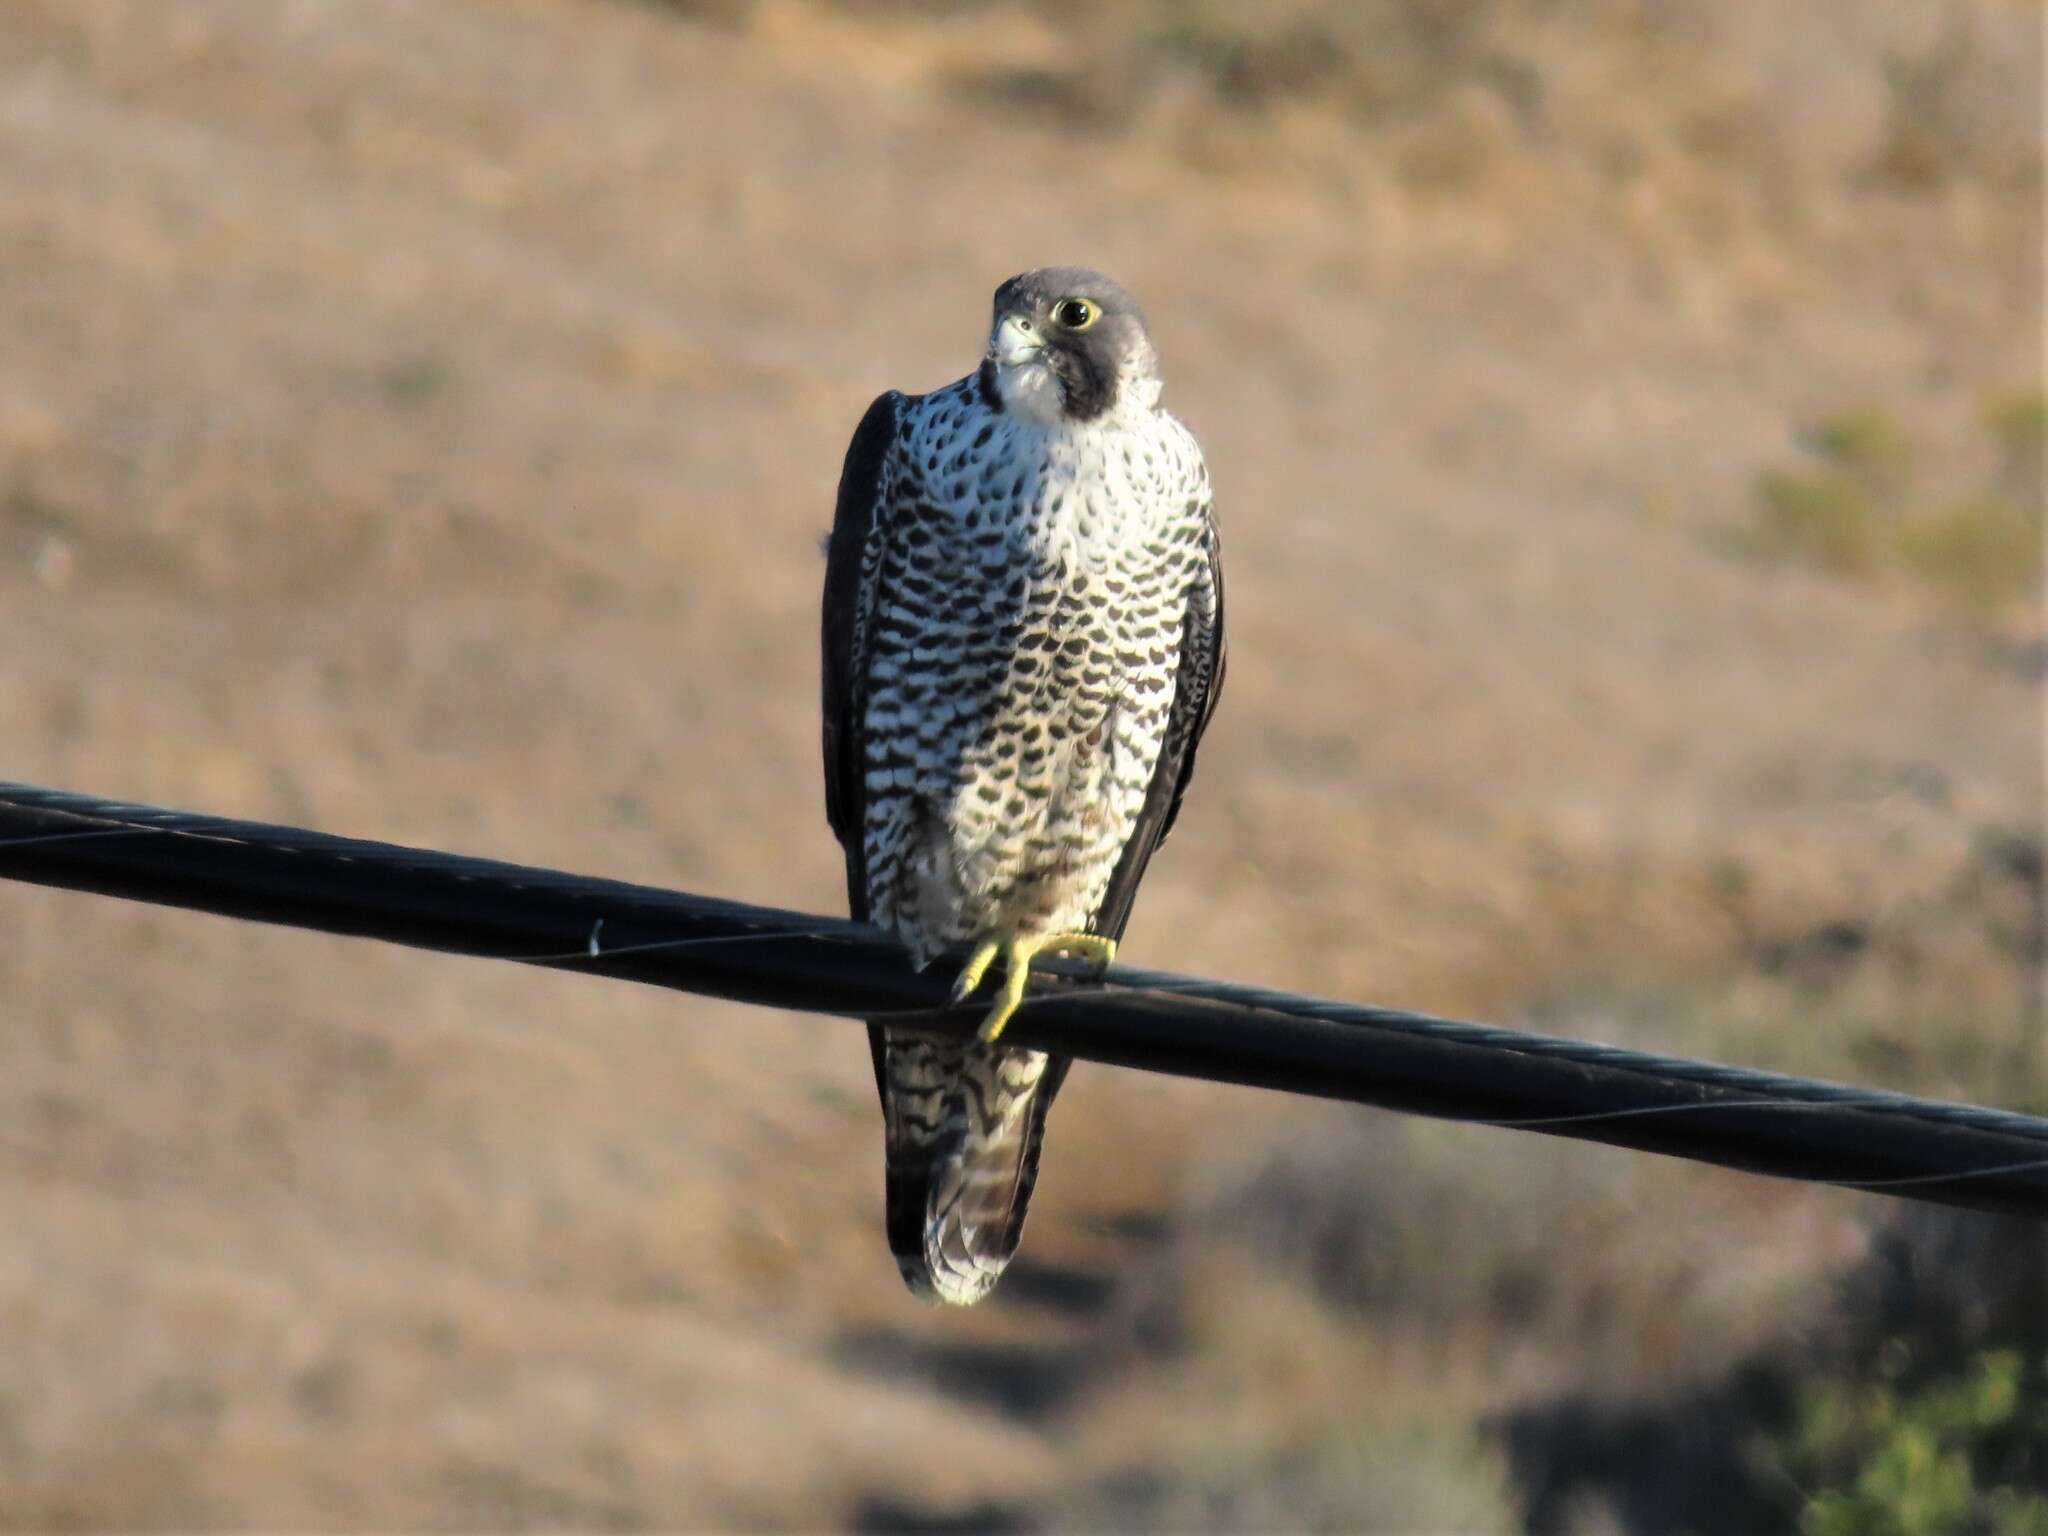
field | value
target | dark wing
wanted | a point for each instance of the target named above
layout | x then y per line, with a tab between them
852	559
1196	688
849	574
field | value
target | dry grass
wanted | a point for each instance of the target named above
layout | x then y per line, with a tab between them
417	421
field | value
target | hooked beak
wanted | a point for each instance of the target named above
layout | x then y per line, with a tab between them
1015	339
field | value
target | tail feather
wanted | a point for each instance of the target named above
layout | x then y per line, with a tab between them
965	1122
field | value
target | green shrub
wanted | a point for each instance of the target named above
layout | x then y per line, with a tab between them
1983	549
1882	1459
1822	514
1918	1408
1858	504
1866	440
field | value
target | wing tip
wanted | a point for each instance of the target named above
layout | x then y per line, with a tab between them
935	1280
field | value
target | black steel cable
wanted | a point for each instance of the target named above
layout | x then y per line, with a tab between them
1800	1128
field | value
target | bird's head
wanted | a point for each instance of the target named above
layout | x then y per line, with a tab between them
1069	345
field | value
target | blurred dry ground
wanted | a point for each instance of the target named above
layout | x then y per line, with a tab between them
417	421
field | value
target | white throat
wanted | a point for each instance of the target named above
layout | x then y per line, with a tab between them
1029	390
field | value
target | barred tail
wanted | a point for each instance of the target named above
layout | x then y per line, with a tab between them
964	1125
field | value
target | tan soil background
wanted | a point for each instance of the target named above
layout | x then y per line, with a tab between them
417	421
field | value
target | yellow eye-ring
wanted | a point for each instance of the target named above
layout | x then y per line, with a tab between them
1076	314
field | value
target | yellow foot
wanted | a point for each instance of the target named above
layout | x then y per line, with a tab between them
1017	952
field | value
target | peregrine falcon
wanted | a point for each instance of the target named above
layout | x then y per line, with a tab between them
1023	643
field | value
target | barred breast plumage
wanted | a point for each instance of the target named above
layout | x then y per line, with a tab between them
1023	641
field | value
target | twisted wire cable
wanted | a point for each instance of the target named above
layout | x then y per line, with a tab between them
1764	1122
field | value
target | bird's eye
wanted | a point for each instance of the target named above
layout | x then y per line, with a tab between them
1075	314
